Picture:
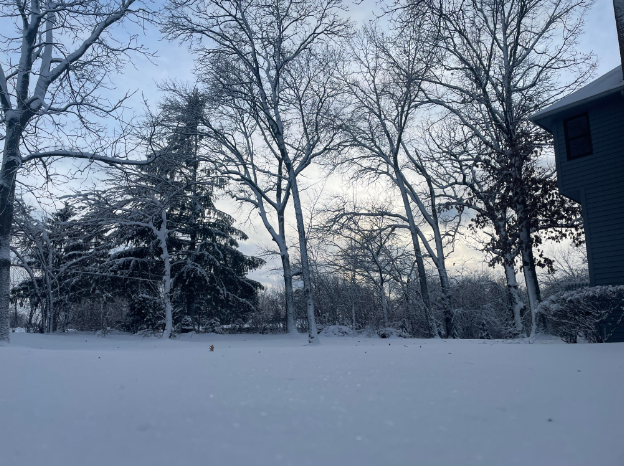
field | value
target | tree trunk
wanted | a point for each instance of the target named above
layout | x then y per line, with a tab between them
162	237
420	263
353	292
190	295
528	268
280	240
530	278
515	301
289	294
446	302
49	324
440	264
287	269
516	305
5	284
384	304
190	309
8	171
31	316
305	266
167	297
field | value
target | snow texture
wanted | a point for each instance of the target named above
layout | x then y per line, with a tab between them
80	400
390	332
337	331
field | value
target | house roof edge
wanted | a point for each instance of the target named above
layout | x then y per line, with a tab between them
607	84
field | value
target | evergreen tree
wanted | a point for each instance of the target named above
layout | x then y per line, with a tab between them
209	272
153	236
164	226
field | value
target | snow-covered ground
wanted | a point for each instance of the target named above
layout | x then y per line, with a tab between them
270	400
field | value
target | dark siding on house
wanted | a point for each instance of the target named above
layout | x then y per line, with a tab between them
606	164
597	181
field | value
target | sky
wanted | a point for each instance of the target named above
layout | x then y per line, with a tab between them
173	61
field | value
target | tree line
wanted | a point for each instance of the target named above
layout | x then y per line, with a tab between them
428	104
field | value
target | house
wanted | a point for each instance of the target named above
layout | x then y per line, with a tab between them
588	131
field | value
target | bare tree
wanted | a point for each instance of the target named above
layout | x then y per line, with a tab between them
51	253
50	92
366	245
270	61
459	174
385	86
239	157
500	63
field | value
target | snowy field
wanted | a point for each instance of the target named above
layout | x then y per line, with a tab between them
270	400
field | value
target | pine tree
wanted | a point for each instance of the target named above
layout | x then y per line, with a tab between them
207	272
153	236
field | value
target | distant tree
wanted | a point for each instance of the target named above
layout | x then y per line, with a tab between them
370	243
49	254
386	98
31	251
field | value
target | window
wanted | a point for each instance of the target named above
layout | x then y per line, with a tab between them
577	136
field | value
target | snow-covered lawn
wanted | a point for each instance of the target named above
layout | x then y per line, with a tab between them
270	400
